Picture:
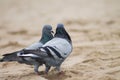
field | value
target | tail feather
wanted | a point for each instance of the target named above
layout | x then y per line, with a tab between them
10	57
10	53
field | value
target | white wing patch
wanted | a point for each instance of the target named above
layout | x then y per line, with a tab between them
33	46
27	55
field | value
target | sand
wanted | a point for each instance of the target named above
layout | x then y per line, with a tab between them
94	26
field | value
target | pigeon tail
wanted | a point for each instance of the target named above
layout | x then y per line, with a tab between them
10	57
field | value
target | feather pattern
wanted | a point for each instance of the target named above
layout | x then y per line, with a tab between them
63	47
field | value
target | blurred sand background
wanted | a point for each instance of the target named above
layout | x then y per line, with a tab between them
94	26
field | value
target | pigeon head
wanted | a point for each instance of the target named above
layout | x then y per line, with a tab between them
47	34
60	26
47	28
62	33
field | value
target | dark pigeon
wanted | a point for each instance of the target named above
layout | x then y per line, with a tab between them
54	52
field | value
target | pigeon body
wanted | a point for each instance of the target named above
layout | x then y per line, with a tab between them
14	56
59	47
55	51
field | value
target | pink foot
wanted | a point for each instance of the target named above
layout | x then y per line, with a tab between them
61	73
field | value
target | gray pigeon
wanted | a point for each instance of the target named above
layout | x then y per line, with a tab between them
54	52
46	36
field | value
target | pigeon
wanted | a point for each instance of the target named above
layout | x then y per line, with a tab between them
47	34
54	52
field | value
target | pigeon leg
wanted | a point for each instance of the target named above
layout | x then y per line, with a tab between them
36	69
58	68
59	71
47	68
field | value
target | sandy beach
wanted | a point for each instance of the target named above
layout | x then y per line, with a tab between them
94	27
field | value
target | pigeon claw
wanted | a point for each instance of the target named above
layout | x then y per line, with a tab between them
61	73
38	73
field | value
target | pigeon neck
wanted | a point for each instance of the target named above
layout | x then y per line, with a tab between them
63	34
46	37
